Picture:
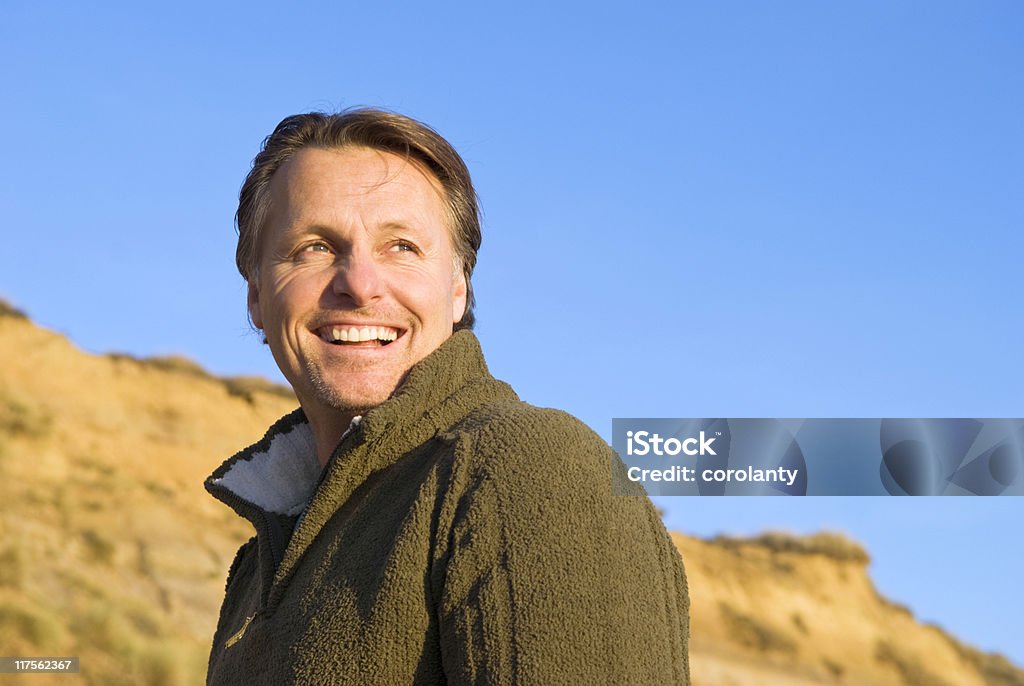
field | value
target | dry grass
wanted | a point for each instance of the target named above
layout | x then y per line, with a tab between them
832	545
20	417
995	668
244	387
910	669
20	623
100	548
755	633
9	310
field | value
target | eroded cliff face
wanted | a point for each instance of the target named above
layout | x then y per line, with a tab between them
111	550
779	609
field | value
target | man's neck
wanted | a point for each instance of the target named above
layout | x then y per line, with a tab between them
328	432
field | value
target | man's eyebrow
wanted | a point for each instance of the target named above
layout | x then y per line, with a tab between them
414	227
299	228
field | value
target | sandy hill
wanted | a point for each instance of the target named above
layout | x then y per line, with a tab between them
111	550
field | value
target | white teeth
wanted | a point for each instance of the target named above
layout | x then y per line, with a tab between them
355	334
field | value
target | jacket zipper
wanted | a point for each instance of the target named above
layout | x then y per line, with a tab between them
237	636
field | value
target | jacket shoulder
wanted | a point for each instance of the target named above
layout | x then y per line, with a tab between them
516	431
535	453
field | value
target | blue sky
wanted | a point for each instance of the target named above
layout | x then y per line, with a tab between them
725	209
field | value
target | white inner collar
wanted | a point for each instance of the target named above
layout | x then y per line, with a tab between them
282	478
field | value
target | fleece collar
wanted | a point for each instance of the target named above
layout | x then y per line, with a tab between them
281	475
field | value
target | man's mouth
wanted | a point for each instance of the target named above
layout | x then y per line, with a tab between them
359	336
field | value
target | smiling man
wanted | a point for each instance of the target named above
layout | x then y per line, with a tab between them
358	280
416	523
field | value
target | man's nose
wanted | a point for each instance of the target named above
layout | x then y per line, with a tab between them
358	277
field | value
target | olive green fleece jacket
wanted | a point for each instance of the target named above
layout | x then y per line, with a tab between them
457	536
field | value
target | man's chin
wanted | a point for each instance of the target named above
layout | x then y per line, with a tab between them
354	392
350	400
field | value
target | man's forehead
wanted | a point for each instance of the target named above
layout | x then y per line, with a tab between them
353	172
321	186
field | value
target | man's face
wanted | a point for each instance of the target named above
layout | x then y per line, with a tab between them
357	279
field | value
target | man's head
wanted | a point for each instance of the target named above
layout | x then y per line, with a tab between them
358	235
367	128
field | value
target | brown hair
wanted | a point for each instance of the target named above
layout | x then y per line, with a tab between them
369	128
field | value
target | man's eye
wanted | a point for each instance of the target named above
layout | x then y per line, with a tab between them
404	246
317	247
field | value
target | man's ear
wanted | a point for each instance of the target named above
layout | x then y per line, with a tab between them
254	307
458	296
